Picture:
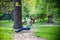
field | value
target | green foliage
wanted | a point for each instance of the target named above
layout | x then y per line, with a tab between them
6	6
35	7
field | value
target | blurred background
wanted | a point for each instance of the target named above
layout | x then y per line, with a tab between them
45	15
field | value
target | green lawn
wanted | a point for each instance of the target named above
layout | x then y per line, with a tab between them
6	33
6	30
6	23
48	32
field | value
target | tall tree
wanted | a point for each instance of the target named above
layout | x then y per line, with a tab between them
17	14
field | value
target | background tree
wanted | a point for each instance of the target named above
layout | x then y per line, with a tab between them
6	7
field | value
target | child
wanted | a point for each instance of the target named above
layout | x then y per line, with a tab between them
29	23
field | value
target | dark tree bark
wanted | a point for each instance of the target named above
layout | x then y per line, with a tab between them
17	14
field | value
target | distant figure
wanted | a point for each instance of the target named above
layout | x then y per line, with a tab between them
50	20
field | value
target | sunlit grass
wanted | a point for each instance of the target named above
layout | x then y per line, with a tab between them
50	33
6	30
6	33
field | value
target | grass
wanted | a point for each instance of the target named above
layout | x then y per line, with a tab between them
50	33
6	34
6	23
6	30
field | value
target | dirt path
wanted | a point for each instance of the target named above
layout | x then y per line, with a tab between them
25	35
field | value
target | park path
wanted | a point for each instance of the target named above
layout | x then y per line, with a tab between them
25	35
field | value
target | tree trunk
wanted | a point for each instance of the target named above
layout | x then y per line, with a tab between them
17	14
